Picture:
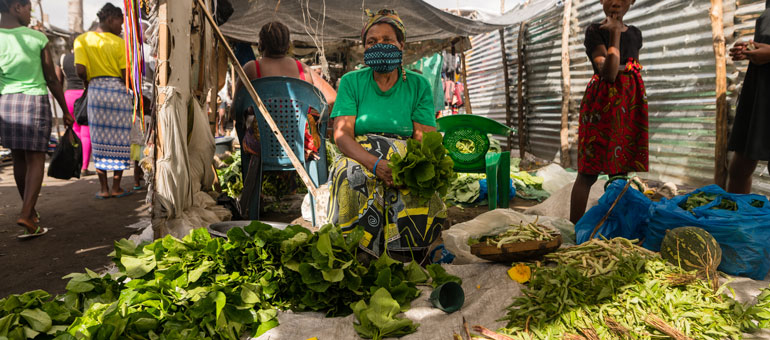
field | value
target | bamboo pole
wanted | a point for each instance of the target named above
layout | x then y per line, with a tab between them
507	91
520	90
261	106
565	86
467	96
717	32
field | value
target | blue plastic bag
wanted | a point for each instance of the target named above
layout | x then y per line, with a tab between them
628	219
743	235
483	190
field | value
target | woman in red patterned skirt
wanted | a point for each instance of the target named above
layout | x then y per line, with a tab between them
612	138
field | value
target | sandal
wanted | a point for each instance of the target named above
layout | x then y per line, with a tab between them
40	231
124	194
100	197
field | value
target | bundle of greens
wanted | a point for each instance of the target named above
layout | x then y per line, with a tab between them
700	199
597	257
230	177
425	169
642	297
522	232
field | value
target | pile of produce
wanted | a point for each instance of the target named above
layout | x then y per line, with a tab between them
700	199
211	288
230	176
639	296
522	232
425	169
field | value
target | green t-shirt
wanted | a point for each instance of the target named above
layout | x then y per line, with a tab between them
21	70
392	111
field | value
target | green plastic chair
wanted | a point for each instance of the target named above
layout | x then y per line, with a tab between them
465	137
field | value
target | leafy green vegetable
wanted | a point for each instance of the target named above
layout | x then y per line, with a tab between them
440	276
700	199
465	146
230	178
378	319
425	169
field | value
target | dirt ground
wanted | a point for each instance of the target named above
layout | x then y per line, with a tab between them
81	233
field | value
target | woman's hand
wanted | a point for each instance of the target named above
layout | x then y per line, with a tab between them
759	55
736	52
384	173
612	23
68	120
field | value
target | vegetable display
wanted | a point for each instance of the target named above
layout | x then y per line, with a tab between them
425	169
522	232
701	198
201	287
641	296
230	177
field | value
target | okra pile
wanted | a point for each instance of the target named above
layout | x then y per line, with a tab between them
522	232
629	294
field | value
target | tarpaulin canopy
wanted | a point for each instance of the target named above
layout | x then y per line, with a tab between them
335	20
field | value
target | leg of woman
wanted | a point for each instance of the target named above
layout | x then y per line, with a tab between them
33	182
739	174
104	192
580	191
19	170
117	176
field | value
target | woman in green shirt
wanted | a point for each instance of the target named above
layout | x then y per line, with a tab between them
26	75
377	109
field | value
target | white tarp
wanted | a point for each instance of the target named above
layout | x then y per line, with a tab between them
335	20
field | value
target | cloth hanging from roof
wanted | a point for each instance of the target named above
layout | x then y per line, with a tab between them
343	19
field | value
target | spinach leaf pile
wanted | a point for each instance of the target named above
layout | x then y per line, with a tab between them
201	287
425	169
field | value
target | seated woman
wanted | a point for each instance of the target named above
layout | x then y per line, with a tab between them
274	45
377	109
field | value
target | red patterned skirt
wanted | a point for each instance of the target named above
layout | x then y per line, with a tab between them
613	133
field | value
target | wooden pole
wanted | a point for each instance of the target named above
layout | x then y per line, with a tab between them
262	109
163	69
507	91
717	32
520	90
468	109
565	85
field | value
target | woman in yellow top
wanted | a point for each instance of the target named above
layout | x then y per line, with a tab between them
100	61
26	75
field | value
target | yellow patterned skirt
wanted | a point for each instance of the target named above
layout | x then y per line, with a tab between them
391	219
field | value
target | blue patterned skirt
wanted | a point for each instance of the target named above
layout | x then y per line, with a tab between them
110	107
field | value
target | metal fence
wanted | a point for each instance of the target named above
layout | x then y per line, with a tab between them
679	74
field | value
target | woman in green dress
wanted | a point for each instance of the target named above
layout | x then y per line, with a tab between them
377	109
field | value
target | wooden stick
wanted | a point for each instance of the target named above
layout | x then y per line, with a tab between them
490	334
507	90
520	90
565	85
625	188
720	153
467	330
467	95
665	328
262	109
162	68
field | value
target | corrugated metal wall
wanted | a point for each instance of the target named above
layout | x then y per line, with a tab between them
679	73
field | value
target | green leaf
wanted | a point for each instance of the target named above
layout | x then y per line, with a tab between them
37	319
137	267
333	275
221	299
440	276
415	273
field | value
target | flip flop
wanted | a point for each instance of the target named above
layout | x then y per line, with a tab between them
138	187
40	231
124	194
100	197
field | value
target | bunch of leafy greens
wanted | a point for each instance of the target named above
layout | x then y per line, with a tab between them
230	178
378	320
425	169
211	288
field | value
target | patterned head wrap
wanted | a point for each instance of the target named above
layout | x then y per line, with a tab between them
388	16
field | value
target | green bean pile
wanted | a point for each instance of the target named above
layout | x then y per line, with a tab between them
522	232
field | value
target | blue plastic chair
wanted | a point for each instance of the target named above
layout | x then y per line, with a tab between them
288	100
